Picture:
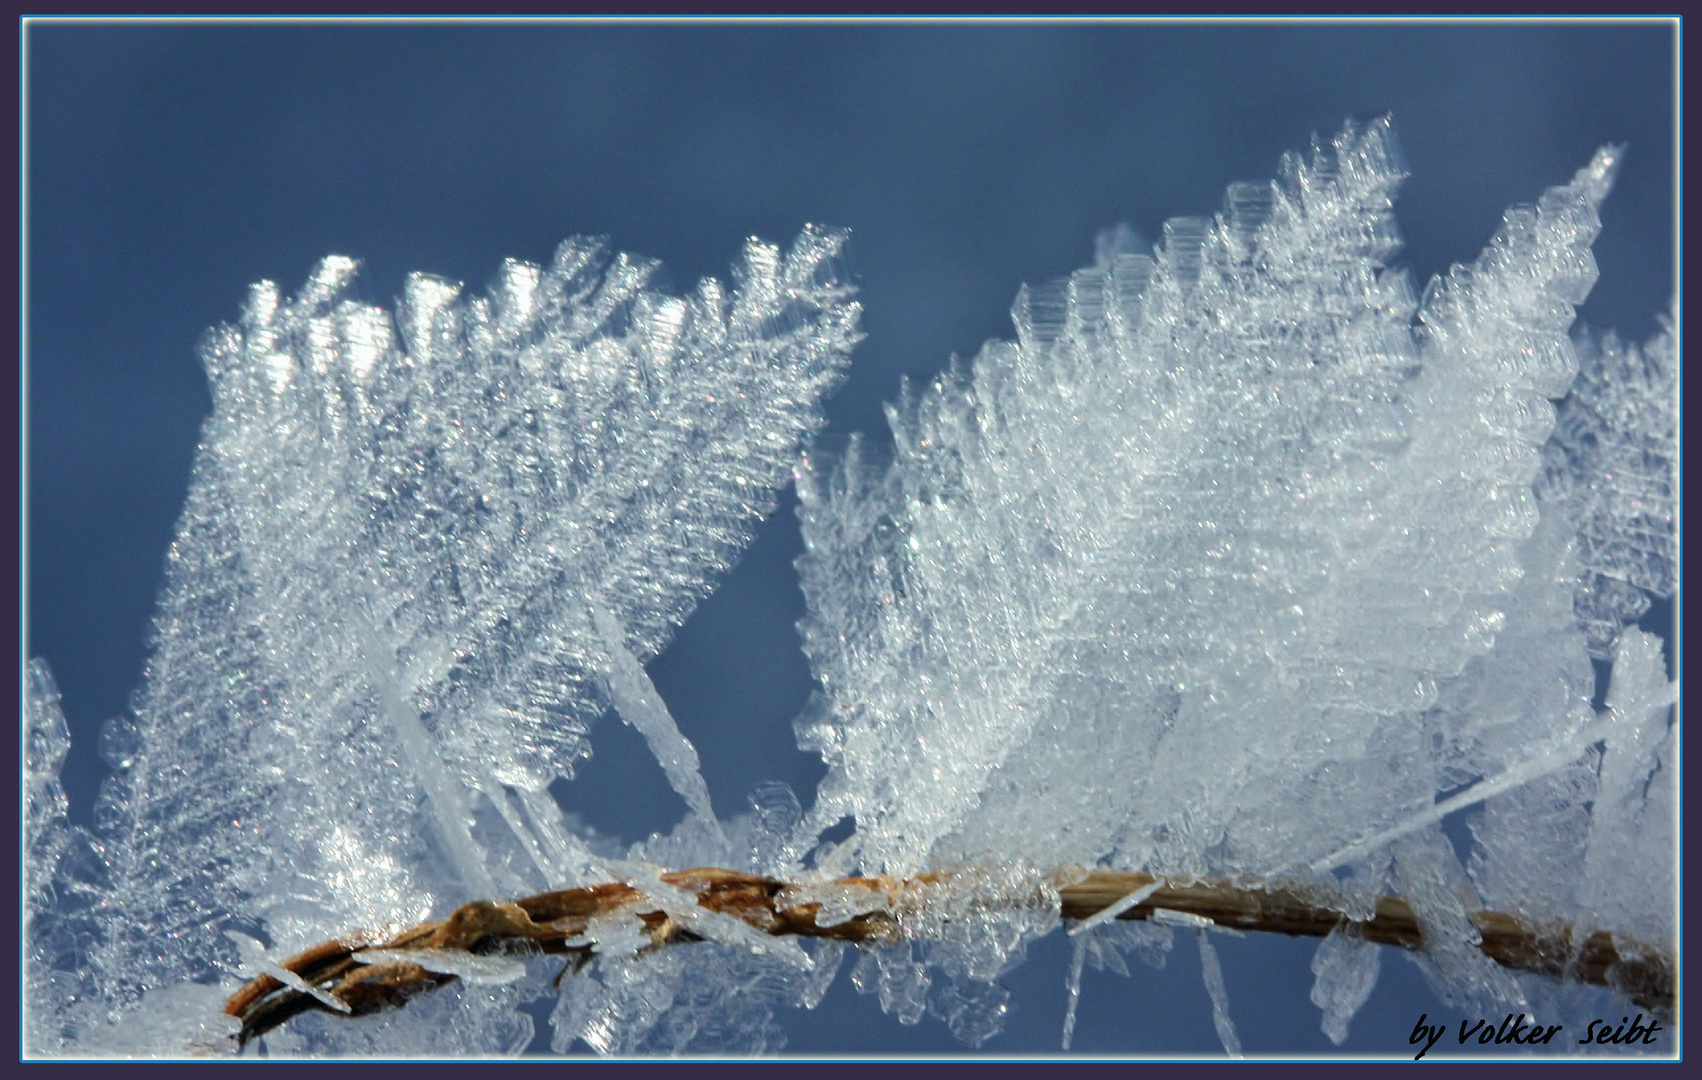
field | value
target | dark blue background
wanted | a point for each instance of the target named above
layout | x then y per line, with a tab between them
171	165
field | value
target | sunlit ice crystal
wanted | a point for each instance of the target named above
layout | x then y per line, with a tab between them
418	547
1611	471
1230	564
1233	563
1217	521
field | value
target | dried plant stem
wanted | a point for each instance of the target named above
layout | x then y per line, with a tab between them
556	922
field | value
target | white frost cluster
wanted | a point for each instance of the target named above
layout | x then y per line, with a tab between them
1245	560
421	554
1232	563
1611	466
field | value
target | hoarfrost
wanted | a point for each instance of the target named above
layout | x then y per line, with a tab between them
711	925
1628	877
1611	467
1219	994
1346	972
1116	908
1102	946
256	962
1593	843
463	1020
896	979
1244	559
635	698
838	903
1151	942
710	998
1072	987
1234	561
1187	919
422	553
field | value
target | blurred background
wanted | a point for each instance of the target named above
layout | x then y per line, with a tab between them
169	165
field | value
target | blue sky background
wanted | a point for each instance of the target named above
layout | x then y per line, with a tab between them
171	165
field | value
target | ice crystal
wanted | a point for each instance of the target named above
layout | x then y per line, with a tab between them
422	552
708	998
1216	521
1592	843
1219	996
1244	559
1610	466
1346	970
1233	564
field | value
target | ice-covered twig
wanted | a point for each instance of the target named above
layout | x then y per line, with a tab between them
557	922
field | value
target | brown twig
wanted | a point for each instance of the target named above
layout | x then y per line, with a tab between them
555	922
